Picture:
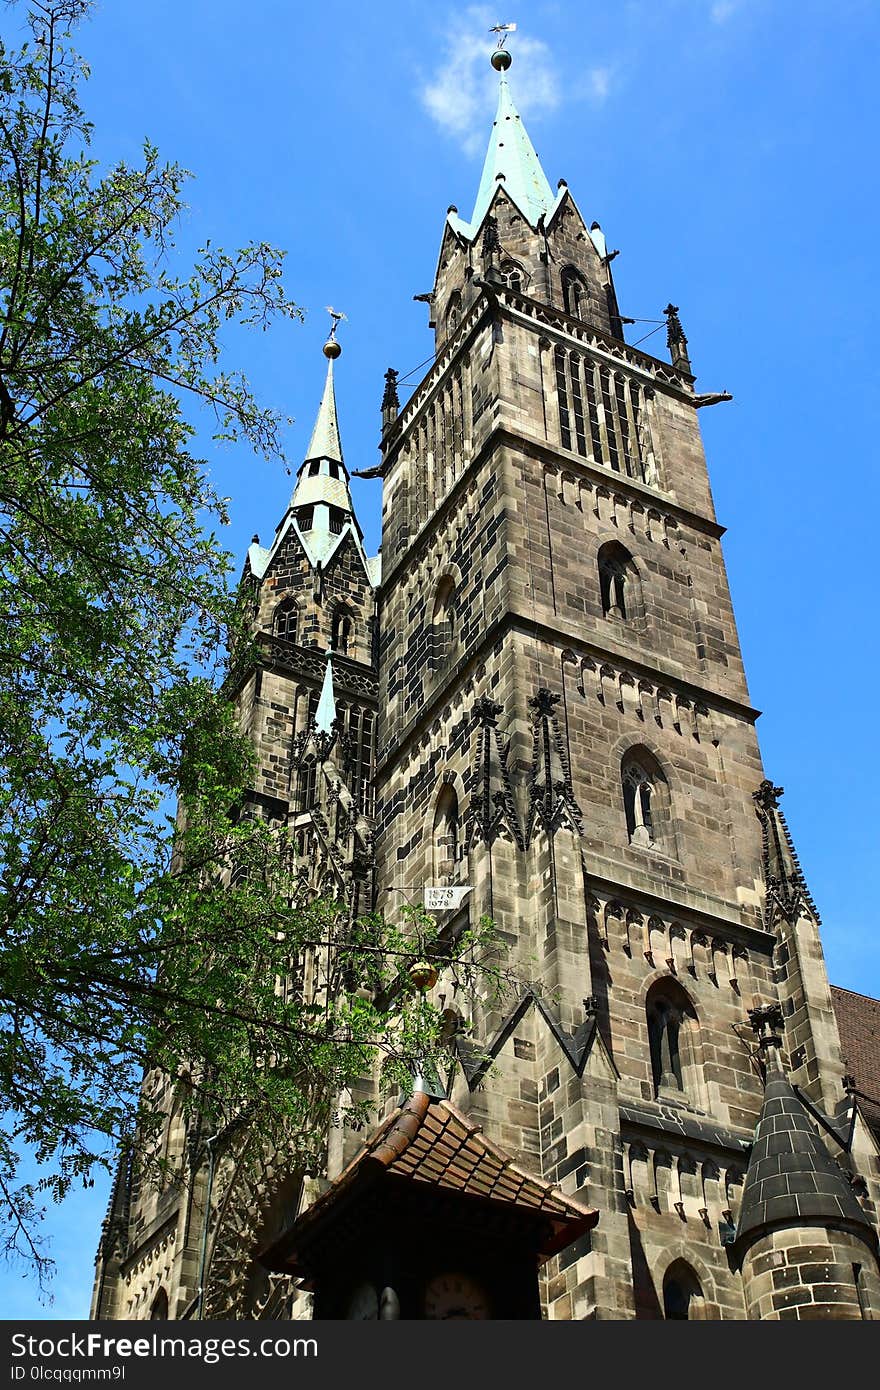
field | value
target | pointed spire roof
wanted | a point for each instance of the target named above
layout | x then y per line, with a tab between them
325	714
320	512
792	1180
322	477
511	163
324	443
511	160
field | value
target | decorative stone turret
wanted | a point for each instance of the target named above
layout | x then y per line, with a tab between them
805	1246
390	399
814	1059
676	340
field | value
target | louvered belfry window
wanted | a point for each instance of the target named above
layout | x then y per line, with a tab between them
600	413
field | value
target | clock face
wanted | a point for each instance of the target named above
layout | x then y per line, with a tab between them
456	1297
363	1305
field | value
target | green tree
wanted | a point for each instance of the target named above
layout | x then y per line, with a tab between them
124	944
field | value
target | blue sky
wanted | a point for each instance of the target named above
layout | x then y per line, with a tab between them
727	148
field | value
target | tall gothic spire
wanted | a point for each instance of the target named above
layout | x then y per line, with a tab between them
511	160
324	443
321	510
512	163
321	497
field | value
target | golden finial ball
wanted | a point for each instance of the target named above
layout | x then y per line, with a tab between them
501	60
332	349
424	975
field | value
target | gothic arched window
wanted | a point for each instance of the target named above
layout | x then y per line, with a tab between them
445	835
512	275
682	1294
645	797
287	619
672	1038
443	622
342	630
159	1308
453	312
575	295
619	587
307	783
638	794
307	770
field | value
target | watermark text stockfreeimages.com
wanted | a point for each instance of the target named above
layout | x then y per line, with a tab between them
209	1350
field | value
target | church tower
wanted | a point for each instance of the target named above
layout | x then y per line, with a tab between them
309	703
565	727
312	699
657	1116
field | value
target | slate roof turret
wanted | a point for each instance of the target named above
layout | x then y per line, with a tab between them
792	1180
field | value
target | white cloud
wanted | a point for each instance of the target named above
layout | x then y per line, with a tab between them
722	10
600	83
460	95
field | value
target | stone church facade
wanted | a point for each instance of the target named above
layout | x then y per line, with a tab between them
541	697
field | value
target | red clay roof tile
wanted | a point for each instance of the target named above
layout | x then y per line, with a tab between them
858	1018
430	1141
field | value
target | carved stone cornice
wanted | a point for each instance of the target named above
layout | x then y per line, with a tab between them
589	337
702	921
352	678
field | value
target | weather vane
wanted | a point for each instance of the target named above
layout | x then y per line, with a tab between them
337	319
501	31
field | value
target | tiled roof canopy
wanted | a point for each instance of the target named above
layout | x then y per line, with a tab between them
430	1142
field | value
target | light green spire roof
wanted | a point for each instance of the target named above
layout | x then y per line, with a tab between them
512	154
320	495
322	476
324	443
326	711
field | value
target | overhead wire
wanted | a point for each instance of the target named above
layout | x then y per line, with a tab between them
649	334
402	380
